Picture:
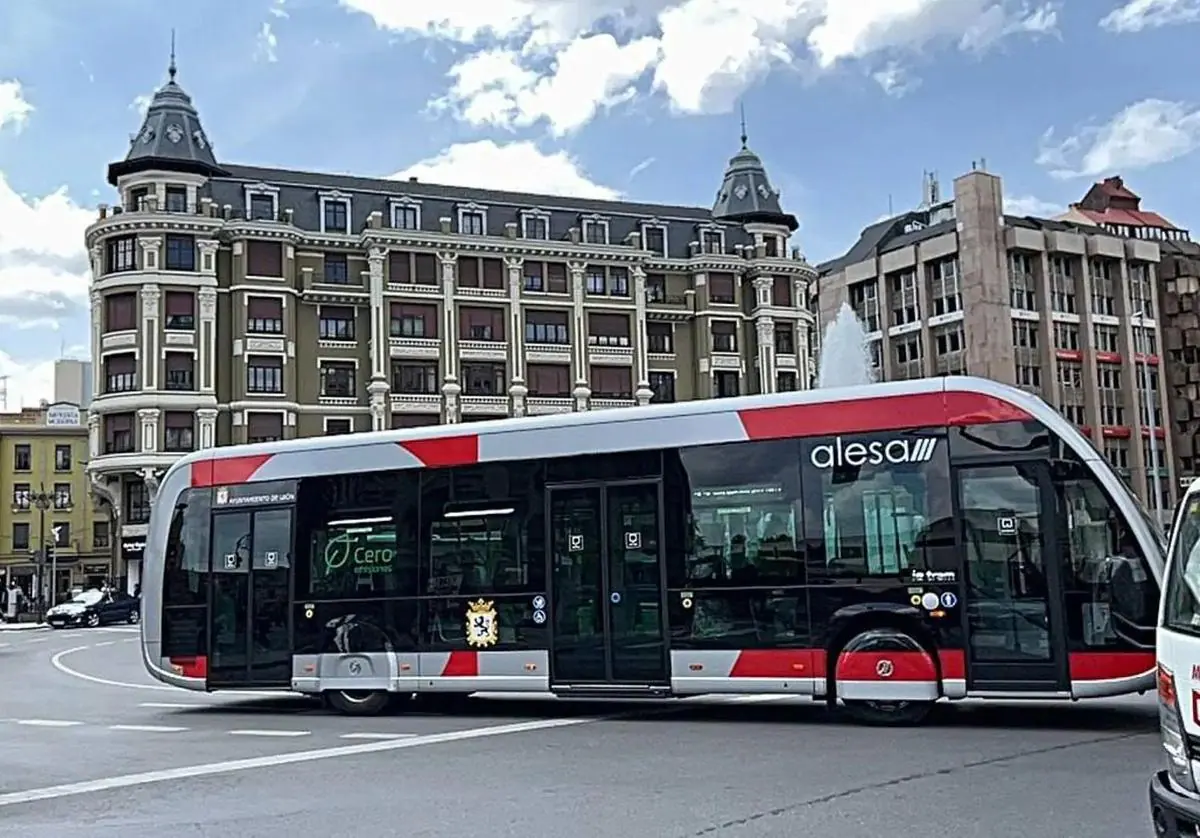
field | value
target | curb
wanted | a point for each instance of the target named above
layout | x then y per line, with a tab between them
5	627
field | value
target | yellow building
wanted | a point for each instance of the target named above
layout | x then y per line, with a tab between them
45	503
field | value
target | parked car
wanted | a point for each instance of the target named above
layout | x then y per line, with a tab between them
95	608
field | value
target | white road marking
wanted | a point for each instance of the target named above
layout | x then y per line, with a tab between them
148	728
57	662
105	643
377	735
279	733
47	723
144	778
4	645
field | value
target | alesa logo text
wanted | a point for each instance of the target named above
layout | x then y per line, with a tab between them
895	452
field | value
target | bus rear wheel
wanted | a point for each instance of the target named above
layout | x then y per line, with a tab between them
359	702
892	713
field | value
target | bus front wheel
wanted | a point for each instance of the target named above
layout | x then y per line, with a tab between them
359	702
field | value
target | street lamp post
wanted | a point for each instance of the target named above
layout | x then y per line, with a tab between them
42	501
1149	396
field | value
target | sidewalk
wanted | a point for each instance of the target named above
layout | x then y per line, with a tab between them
22	626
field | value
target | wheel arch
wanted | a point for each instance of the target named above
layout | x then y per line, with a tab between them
850	622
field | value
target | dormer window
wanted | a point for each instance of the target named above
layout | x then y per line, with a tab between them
535	225
262	202
595	231
654	239
772	245
137	198
472	220
713	241
335	214
406	215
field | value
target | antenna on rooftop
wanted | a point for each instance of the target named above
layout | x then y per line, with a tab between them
3	392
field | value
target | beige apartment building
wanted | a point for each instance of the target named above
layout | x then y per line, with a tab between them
1064	309
236	304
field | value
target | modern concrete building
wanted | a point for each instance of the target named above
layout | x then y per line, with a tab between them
233	303
1111	204
73	382
1065	309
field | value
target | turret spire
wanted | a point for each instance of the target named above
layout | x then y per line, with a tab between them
744	136
171	68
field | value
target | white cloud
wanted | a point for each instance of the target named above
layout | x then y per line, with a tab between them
1030	205
43	268
266	46
895	80
1144	134
563	61
27	383
519	167
14	110
141	104
1136	15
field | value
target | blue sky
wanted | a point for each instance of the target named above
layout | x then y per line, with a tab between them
848	102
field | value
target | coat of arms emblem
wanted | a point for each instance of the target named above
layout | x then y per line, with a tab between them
482	628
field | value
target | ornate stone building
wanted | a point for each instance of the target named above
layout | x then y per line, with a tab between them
237	304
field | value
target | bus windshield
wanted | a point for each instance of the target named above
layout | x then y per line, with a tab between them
1183	583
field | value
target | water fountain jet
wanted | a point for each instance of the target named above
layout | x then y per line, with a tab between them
845	359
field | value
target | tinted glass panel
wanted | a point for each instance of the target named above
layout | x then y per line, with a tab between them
743	523
1002	439
357	536
1110	593
185	570
877	505
740	619
349	626
1183	586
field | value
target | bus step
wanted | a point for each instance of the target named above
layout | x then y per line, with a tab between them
611	691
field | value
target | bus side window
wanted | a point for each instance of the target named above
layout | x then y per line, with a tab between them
185	561
1110	594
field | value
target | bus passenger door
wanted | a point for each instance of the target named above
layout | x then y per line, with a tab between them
606	588
251	639
1012	595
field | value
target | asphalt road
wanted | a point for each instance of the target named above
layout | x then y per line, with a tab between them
89	745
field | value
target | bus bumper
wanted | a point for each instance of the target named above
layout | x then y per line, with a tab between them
1174	815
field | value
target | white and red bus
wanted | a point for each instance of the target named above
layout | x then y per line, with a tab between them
880	547
1175	791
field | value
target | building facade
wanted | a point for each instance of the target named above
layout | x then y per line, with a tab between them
1112	205
1064	309
235	304
49	511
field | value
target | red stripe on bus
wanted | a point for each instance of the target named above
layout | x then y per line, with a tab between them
953	663
227	471
778	663
446	451
191	667
462	665
886	666
1104	666
881	413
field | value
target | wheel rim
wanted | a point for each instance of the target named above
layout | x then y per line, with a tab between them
93	620
134	617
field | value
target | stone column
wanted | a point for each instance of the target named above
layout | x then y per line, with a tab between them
207	250
641	358
151	295
151	249
95	449
148	421
380	346
97	316
451	389
582	392
206	418
517	389
206	340
765	326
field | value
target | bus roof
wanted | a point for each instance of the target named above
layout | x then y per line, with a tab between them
890	406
